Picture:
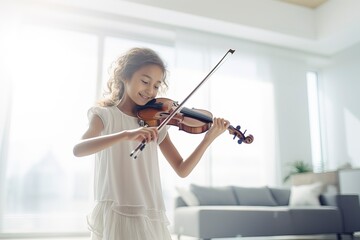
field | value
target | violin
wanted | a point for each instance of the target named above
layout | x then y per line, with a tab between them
161	112
193	121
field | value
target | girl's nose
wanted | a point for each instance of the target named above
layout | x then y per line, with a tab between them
150	90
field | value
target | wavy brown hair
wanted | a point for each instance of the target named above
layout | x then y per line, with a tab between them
124	68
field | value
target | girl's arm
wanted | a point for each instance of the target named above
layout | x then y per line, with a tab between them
93	142
184	167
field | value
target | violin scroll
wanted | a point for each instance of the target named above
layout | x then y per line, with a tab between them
241	135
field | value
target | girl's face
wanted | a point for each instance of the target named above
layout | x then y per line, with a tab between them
144	84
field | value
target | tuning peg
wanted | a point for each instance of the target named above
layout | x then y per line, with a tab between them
238	127
240	141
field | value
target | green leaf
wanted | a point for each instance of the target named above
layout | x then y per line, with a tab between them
297	167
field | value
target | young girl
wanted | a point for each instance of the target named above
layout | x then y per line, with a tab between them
128	195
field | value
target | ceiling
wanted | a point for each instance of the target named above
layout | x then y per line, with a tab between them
322	27
306	3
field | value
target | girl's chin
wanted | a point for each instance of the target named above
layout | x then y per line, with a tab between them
142	102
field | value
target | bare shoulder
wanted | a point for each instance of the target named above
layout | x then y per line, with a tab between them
95	127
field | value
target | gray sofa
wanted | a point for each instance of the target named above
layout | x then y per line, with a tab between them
226	212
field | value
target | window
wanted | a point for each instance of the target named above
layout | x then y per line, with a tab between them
314	115
246	100
46	188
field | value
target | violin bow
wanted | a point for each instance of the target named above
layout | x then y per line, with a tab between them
142	145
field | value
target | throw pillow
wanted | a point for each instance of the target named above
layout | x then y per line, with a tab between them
306	195
214	195
188	196
257	196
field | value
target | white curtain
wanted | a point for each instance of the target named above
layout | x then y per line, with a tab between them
239	91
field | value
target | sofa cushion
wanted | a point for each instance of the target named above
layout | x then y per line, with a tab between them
214	195
257	196
306	195
281	195
188	196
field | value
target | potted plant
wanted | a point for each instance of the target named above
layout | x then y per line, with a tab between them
297	167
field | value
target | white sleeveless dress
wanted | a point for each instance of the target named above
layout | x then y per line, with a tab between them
129	203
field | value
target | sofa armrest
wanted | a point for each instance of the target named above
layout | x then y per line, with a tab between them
349	206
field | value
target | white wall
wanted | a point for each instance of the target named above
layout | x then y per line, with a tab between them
340	87
292	117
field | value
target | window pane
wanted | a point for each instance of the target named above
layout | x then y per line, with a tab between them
246	101
314	118
53	84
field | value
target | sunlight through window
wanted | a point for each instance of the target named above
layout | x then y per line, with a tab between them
46	188
314	118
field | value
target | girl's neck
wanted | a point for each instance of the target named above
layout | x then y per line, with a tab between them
128	107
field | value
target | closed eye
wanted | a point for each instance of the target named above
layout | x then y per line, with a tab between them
145	82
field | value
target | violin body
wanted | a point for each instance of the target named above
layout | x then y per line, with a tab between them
192	121
154	112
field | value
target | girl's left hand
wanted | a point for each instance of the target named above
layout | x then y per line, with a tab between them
219	126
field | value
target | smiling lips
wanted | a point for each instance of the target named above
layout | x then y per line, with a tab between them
144	97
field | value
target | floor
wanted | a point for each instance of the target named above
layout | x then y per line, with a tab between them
330	237
315	237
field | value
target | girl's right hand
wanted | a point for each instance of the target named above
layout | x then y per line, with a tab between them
143	133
